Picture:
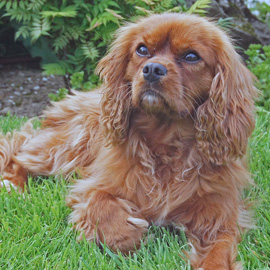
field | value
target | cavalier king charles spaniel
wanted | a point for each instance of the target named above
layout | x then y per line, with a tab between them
162	141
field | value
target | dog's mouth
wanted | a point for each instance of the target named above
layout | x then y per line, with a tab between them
152	100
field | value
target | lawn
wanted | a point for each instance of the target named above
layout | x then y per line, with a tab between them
35	234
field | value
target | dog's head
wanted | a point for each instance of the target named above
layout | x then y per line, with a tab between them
179	65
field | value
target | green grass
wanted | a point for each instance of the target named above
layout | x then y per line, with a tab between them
255	249
35	234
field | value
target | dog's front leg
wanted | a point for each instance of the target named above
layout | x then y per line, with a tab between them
213	226
222	254
103	218
218	255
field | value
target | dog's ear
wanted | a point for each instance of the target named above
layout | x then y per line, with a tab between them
226	119
116	96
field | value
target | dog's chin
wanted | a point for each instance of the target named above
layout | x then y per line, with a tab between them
152	101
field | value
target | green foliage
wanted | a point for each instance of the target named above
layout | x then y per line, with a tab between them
61	93
146	7
77	82
225	23
262	11
259	65
199	7
10	122
77	32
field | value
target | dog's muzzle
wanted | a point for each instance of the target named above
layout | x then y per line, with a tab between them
153	72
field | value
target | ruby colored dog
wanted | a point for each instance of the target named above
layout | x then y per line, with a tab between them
162	141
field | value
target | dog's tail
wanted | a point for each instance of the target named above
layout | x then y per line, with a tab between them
11	172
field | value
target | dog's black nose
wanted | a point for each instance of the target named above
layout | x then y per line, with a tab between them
153	71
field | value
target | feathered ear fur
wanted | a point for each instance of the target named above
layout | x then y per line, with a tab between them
226	120
116	98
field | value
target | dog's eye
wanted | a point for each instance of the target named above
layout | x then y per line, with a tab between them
142	50
192	57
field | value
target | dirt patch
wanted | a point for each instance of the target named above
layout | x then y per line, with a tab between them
24	89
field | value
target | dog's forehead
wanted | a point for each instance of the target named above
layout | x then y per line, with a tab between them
180	31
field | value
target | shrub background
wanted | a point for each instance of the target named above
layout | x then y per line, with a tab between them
71	36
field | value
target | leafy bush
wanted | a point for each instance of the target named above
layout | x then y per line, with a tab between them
76	82
259	65
261	10
61	93
73	34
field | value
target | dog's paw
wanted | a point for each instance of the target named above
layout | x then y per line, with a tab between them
126	235
8	185
113	221
123	235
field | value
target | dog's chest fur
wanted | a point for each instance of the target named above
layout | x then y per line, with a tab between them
155	172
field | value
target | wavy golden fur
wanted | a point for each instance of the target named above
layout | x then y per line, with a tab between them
162	141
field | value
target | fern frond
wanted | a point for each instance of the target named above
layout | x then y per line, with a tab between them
90	51
60	42
22	31
22	5
162	5
40	26
148	2
176	9
2	3
18	14
199	7
143	10
113	4
97	24
116	15
36	5
69	11
166	4
225	23
108	17
74	31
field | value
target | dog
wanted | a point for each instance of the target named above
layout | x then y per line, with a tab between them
162	141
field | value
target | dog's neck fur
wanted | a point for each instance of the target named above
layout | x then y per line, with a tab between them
159	143
162	130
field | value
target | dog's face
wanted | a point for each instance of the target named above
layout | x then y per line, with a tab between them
179	65
171	67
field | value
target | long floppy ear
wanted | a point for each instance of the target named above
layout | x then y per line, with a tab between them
116	95
226	119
